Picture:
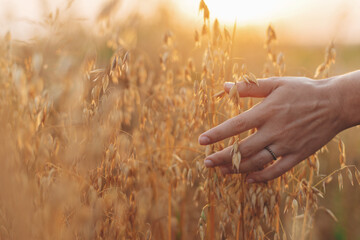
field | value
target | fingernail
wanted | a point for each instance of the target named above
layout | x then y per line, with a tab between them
228	86
250	180
203	140
209	163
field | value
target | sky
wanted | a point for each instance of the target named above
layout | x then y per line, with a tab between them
304	21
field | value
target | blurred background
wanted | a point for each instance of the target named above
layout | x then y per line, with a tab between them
302	22
304	29
306	25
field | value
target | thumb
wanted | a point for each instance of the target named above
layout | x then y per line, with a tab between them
265	87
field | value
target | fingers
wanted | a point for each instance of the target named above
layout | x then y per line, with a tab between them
258	161
266	86
219	158
254	143
244	121
278	168
275	170
251	164
236	125
247	147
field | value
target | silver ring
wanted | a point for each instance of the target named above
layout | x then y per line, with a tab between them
271	152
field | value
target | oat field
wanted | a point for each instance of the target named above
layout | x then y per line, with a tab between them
99	134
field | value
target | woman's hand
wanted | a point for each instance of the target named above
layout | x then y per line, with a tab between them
297	117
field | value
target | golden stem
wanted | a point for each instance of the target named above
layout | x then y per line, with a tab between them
307	203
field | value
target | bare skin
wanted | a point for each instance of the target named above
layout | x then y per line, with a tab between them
296	118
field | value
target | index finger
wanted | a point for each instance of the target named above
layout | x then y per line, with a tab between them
233	126
264	88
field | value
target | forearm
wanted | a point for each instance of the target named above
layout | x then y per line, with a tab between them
347	89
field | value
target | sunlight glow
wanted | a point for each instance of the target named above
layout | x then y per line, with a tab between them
244	12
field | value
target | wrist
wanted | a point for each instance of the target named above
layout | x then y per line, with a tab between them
345	93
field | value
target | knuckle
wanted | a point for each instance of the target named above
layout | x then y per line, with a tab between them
276	82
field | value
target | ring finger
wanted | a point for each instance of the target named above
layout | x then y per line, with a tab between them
253	163
248	147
